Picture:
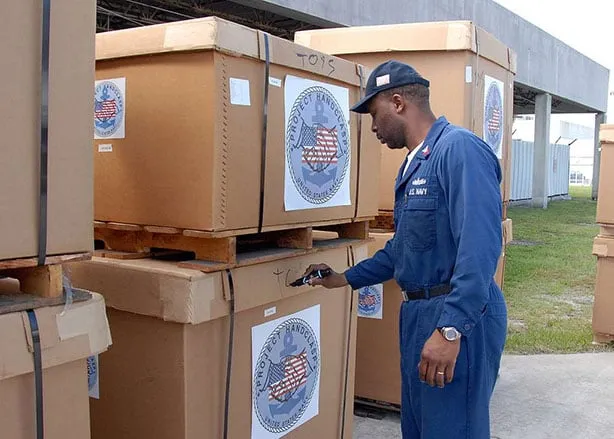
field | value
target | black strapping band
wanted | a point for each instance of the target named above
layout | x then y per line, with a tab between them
347	354
265	115
38	374
361	76
44	146
231	289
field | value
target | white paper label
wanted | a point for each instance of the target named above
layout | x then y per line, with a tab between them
276	82
286	364
239	92
106	147
270	311
371	302
468	74
110	109
318	148
93	377
494	114
382	80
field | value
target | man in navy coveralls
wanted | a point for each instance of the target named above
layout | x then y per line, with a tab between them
444	253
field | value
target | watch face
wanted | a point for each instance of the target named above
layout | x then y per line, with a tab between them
450	334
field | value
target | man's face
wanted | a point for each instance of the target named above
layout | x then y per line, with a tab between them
387	123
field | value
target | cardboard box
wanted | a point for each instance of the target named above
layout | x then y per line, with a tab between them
66	342
457	57
191	153
605	201
70	168
603	307
166	374
377	347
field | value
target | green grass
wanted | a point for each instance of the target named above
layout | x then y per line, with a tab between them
550	280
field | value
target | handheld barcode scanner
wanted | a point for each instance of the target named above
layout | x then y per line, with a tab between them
316	273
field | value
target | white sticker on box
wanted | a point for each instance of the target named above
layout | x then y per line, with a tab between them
239	92
93	377
276	82
270	311
110	109
105	147
286	369
468	74
371	302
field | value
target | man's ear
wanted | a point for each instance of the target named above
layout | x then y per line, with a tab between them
399	103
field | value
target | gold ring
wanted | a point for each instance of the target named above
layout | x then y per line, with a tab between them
440	373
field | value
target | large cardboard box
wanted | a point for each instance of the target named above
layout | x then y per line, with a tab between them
471	75
67	340
70	168
189	153
166	375
603	307
605	201
377	341
377	347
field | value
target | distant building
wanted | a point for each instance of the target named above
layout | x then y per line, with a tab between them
580	139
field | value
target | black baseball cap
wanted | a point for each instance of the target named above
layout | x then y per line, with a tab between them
391	74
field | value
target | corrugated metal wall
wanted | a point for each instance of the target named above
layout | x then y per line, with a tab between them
522	170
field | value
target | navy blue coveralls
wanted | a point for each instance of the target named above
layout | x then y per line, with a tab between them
447	218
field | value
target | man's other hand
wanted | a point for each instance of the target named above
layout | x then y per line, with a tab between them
438	360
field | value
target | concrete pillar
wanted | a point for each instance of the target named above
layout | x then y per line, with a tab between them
543	106
599	119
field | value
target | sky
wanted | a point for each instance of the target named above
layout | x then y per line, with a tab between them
581	24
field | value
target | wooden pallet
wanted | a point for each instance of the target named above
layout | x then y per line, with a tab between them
384	221
26	285
364	404
603	339
212	251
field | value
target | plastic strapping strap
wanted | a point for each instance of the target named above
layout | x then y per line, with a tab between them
347	353
44	146
38	373
231	288
265	114
361	76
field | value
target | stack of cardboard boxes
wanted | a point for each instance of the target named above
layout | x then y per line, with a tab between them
603	245
33	318
208	131
471	75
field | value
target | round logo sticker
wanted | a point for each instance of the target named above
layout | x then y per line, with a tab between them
286	375
493	117
369	301
108	109
317	145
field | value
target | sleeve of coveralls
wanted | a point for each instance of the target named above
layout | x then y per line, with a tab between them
378	268
470	176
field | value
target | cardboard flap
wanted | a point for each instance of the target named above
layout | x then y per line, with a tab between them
508	235
161	289
82	331
198	34
603	247
606	133
408	37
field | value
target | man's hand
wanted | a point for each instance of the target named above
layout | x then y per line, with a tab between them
334	280
438	360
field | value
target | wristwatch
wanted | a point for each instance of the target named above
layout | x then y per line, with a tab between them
450	333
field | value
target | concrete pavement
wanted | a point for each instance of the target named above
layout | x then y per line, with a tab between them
538	397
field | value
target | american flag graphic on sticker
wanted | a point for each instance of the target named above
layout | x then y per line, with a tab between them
286	375
493	114
109	111
317	145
